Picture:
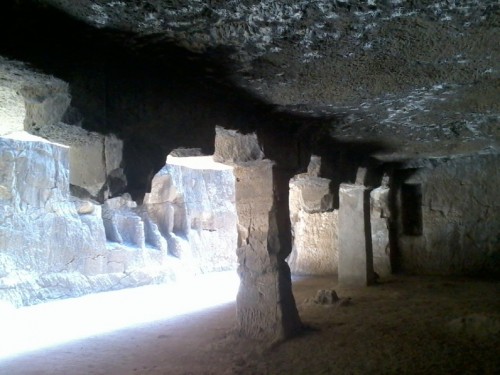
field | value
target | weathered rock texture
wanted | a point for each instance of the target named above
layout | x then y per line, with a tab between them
459	214
355	247
232	146
314	225
28	97
53	245
41	231
386	60
12	111
379	223
40	104
94	158
265	303
192	202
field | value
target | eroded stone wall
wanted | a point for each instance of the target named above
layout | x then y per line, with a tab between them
460	218
41	232
192	201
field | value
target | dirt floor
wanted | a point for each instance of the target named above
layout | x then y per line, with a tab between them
403	325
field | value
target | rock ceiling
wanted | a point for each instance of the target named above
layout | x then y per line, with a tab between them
422	75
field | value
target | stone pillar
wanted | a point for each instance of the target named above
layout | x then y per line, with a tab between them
265	304
314	223
355	248
379	222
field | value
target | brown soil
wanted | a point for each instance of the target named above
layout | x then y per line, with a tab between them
403	325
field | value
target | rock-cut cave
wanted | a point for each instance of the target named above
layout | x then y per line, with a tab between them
341	157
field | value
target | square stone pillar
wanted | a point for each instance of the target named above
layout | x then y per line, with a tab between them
355	247
265	303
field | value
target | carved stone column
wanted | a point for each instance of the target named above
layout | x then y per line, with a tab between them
265	303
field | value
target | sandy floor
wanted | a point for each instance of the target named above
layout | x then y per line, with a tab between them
405	325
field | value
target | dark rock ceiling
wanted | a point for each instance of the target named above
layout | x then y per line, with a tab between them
422	75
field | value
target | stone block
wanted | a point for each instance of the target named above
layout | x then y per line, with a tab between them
233	147
355	253
314	226
42	230
310	194
314	167
93	157
315	244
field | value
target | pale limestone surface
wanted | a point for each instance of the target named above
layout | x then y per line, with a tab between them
40	228
37	103
192	202
29	99
12	111
53	245
315	246
121	223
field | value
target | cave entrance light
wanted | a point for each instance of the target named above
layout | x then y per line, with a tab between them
54	323
205	190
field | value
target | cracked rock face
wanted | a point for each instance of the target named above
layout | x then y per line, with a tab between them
392	62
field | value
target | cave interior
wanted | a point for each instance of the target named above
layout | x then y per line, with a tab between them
144	140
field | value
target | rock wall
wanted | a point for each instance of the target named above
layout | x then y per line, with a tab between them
94	158
40	105
41	231
192	201
460	218
53	245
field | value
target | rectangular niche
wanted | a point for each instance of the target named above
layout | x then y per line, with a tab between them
411	209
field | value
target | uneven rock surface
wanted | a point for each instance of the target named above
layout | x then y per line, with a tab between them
417	62
39	103
459	218
379	224
314	225
411	85
53	245
192	202
265	305
93	157
41	231
26	96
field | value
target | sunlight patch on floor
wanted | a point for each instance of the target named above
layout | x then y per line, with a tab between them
49	324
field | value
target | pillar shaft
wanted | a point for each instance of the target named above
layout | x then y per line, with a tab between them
265	304
355	251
